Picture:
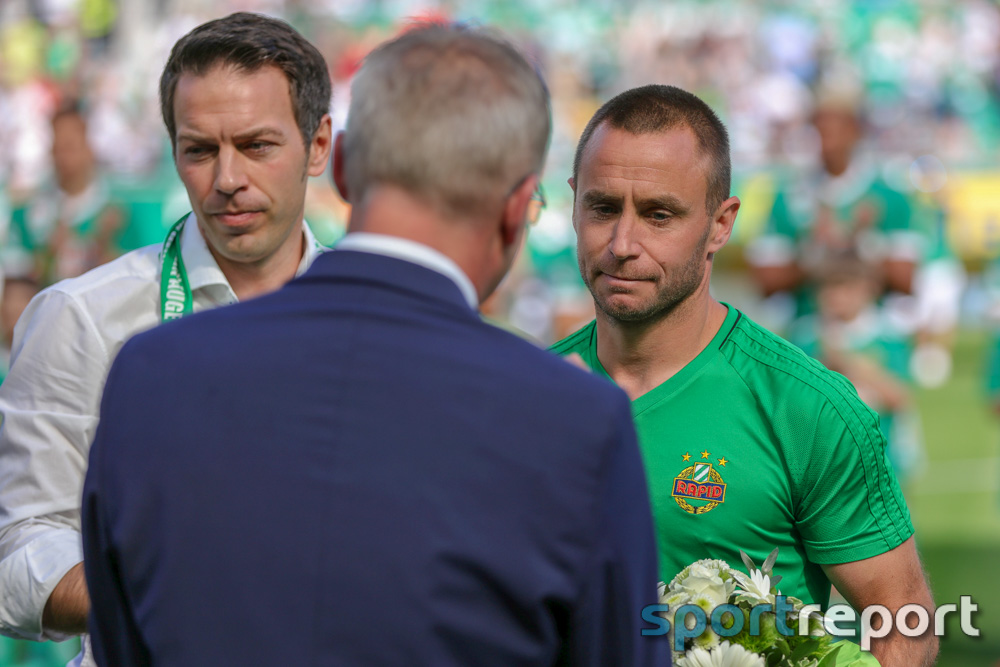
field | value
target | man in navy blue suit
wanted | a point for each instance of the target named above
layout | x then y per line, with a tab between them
357	470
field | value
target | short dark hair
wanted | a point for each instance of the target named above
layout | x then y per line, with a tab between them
70	108
658	108
249	42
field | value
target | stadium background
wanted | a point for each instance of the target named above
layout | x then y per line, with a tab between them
929	72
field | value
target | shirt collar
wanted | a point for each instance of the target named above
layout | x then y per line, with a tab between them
416	253
203	270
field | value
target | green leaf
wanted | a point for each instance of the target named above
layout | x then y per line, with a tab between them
774	581
851	655
769	563
804	649
782	646
747	561
830	659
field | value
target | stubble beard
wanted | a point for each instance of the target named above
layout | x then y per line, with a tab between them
679	286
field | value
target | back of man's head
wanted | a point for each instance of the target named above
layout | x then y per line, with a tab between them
248	42
453	115
657	108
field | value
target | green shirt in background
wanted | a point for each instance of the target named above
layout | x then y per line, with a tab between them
753	445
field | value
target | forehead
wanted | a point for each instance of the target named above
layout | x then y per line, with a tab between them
668	161
228	97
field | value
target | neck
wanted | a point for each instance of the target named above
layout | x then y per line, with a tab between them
393	211
640	356
252	279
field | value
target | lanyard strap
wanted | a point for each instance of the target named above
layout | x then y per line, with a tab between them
175	291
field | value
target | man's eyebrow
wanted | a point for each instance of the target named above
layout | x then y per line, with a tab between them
593	197
257	133
193	137
249	135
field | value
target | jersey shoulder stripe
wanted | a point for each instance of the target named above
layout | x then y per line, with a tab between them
770	351
575	342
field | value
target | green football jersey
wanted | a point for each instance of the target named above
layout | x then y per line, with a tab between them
752	446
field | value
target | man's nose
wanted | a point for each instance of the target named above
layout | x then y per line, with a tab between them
230	176
624	242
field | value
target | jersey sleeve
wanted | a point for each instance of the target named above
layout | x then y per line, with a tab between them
48	406
904	225
848	505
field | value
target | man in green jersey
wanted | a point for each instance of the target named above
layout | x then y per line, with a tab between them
748	443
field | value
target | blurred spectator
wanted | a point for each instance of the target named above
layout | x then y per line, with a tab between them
66	228
843	205
937	288
851	335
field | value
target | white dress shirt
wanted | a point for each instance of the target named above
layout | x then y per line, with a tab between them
64	345
411	251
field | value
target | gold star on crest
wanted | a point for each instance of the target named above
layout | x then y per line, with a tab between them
723	461
704	454
686	457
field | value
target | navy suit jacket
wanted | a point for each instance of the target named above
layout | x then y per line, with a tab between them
356	470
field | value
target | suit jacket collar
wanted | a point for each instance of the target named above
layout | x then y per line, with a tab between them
412	251
399	274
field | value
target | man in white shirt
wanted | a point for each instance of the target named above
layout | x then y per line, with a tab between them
245	101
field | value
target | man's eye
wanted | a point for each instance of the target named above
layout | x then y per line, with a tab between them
197	151
661	216
258	146
604	210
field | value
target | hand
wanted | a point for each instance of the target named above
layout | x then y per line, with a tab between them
577	361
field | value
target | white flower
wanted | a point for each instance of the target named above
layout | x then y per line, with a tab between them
675	599
706	578
707	640
755	588
720	567
723	655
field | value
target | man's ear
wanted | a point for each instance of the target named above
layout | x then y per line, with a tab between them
515	210
339	176
722	225
572	186
319	149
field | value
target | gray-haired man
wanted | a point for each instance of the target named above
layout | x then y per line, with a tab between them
392	480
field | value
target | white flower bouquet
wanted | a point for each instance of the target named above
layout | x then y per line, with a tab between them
745	628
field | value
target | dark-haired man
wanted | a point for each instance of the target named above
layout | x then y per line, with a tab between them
748	443
245	102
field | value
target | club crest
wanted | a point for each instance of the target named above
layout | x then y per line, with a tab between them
699	488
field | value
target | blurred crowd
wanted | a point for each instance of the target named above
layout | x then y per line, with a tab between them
865	140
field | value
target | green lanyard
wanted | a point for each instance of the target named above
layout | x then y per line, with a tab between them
175	291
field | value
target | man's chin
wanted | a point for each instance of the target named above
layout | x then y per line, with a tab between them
242	249
625	309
